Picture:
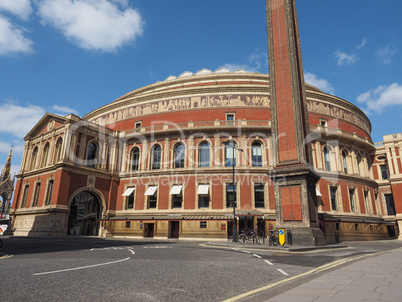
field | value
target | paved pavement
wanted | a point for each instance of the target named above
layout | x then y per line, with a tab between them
374	278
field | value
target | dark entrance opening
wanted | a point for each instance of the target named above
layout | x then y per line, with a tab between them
149	230
391	231
84	215
174	229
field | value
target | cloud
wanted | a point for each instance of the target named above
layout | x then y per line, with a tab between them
385	54
19	8
93	24
255	62
321	84
18	120
12	39
64	109
382	96
363	43
345	59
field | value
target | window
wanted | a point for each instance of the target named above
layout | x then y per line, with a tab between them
135	159
327	161
259	195
384	172
36	194
57	153
230	119
179	156
128	224
137	126
359	160
203	224
91	155
204	155
129	194
389	200
333	191
203	196
256	151
366	203
152	196
230	154
25	196
177	197
345	161
45	155
34	157
156	158
230	195
323	123
352	200
49	192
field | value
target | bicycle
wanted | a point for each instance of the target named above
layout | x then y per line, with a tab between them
245	237
1	243
273	239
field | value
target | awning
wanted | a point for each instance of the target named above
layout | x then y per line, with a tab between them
151	190
203	189
317	192
175	190
128	191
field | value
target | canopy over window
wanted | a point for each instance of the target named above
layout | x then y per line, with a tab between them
128	191
176	189
203	189
151	190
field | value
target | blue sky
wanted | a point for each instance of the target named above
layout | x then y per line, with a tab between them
65	56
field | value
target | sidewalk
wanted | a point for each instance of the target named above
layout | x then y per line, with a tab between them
376	278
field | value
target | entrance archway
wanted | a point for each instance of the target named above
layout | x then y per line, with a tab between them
84	215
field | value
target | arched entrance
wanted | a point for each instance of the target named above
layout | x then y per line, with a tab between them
84	215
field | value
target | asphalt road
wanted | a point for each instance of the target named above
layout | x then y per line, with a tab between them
95	269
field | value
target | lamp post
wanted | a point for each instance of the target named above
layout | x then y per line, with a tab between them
232	145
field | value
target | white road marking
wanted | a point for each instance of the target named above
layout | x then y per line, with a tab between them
258	256
270	263
246	252
158	247
283	272
132	252
81	267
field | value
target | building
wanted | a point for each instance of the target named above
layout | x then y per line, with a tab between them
6	188
159	162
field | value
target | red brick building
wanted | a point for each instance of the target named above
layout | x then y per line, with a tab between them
158	162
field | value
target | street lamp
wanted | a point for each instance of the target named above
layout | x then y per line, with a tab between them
232	145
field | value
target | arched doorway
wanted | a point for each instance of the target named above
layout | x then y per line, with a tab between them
84	215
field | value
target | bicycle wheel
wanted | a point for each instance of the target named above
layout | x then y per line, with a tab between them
270	241
258	239
242	239
275	241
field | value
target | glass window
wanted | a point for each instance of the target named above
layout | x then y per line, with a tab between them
256	151
352	200
57	153
389	200
203	201
203	224
359	160
179	156
204	155
49	192
384	172
230	154
156	158
135	159
334	205
327	160
230	195
345	161
25	197
91	154
177	200
366	203
34	157
230	119
36	194
153	200
259	195
45	155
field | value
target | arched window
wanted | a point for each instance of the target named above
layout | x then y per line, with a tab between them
327	161
91	154
256	153
345	161
179	156
34	158
156	158
230	154
359	162
45	155
204	155
57	152
135	159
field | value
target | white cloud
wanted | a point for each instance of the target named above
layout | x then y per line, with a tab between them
93	24
64	109
345	59
321	84
362	44
18	120
12	39
255	62
382	96
385	54
20	8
